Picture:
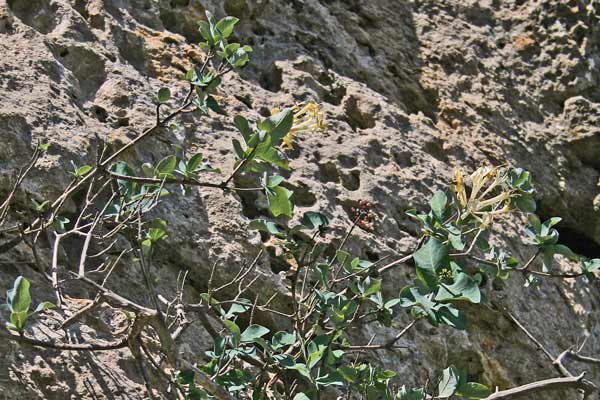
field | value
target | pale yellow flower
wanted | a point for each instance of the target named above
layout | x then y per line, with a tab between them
308	117
488	196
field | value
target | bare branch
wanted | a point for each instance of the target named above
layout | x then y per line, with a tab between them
554	384
94	346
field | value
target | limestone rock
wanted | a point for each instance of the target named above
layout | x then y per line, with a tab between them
411	89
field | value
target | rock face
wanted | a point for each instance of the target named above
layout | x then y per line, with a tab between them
411	89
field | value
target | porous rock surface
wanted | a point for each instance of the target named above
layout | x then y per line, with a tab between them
411	90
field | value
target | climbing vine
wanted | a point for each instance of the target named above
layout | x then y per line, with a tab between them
311	354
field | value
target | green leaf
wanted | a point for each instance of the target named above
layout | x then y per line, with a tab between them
547	259
411	394
205	32
148	170
428	258
225	26
448	383
60	223
565	251
591	265
331	379
526	203
463	288
163	95
194	162
301	396
316	350
278	125
473	391
17	321
373	287
314	220
83	171
279	201
211	102
438	204
422	304
274	181
18	298
456	241
46	305
271	155
253	332
235	331
350	374
237	147
240	57
264	226
282	339
243	126
302	370
237	308
166	166
39	207
212	84
449	315
552	221
229	50
535	223
185	377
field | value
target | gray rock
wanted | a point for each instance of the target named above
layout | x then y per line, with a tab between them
411	89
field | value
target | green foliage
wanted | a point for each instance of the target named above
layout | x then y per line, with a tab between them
163	95
331	292
39	207
153	235
80	171
454	383
18	301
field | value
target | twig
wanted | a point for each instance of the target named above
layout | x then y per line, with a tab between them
387	345
554	384
588	360
173	181
94	346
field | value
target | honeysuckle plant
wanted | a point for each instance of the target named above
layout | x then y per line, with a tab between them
311	351
307	117
18	303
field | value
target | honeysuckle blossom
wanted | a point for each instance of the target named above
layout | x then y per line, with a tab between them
488	197
308	117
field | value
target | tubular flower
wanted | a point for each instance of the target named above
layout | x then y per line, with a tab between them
488	197
308	117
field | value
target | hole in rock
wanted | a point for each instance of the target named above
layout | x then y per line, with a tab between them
303	196
351	181
272	79
577	241
100	113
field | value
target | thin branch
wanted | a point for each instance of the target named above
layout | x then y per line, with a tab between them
560	276
94	346
387	345
528	263
173	181
554	384
588	360
530	336
394	263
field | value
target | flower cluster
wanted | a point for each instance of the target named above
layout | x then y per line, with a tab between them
489	195
308	117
